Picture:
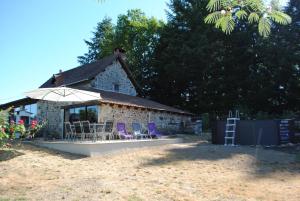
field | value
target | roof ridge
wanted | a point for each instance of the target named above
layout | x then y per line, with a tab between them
87	64
79	73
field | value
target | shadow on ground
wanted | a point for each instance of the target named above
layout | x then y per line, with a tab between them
8	154
290	149
21	148
62	154
264	161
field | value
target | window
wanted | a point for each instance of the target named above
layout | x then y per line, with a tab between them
89	113
77	114
32	109
116	87
92	114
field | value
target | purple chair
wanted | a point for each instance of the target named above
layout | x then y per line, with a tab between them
152	130
122	131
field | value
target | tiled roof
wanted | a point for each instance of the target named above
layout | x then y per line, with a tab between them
87	72
19	102
134	101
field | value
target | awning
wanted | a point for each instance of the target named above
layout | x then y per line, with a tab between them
18	103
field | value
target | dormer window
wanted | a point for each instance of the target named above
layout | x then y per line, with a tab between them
116	87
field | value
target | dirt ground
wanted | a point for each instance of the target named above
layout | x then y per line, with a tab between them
189	171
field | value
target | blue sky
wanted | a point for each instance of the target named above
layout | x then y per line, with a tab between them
37	38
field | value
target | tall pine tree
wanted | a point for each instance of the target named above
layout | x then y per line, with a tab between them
101	44
202	70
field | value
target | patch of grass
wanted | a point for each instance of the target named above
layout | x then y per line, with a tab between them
134	198
4	199
20	199
16	199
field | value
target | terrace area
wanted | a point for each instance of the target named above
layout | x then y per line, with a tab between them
91	148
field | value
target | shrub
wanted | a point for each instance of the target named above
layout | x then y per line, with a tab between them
34	128
4	114
9	129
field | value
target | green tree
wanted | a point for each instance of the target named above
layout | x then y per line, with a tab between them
279	72
134	32
200	69
101	44
191	65
139	36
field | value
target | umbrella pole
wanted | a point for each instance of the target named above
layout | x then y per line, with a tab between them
149	117
47	123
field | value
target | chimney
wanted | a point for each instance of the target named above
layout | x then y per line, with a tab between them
57	79
121	52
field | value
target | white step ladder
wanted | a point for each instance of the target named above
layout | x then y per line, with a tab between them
230	129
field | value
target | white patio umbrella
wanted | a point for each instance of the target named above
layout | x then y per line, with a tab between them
63	94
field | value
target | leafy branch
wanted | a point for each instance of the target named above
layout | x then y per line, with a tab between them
225	14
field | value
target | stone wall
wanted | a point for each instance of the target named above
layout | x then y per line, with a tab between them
114	74
53	114
166	122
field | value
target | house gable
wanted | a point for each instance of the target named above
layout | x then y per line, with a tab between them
114	78
90	75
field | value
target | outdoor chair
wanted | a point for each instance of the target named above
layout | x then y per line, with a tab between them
123	134
78	130
152	130
108	130
98	129
88	132
137	131
69	133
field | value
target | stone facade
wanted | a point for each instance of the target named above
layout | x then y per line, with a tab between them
165	121
53	114
114	74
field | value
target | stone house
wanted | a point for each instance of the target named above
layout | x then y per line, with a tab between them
120	101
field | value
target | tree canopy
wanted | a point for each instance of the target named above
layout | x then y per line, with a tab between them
189	64
134	32
202	70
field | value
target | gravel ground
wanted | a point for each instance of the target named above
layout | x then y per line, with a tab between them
194	170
